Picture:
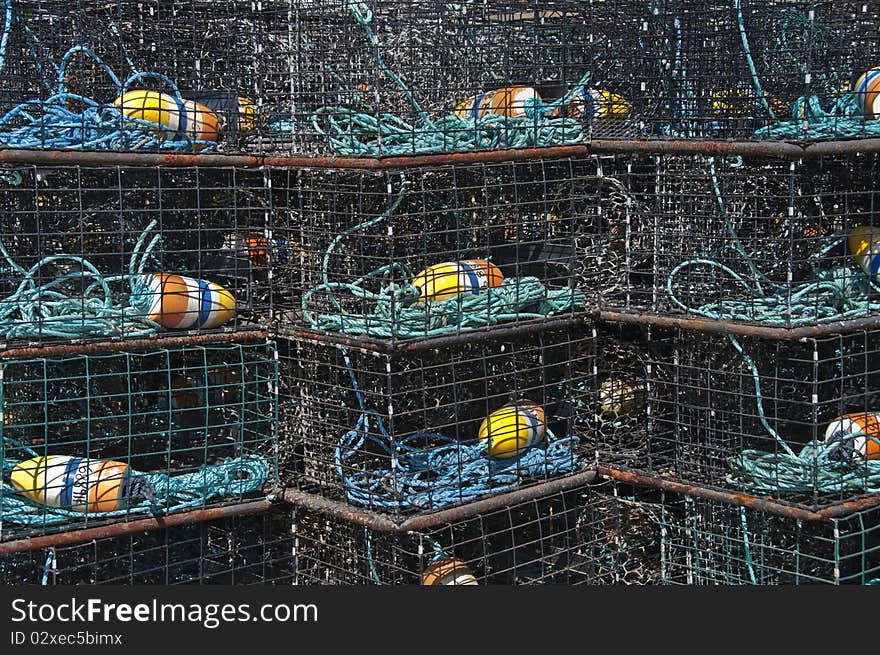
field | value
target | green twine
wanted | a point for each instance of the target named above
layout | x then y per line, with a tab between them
354	133
398	312
36	310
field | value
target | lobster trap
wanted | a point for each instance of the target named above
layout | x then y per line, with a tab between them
567	536
793	420
416	431
407	255
765	241
708	542
240	550
98	437
106	252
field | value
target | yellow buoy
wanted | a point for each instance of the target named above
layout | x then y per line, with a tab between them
179	302
866	424
248	116
73	483
618	396
509	101
864	245
189	119
448	279
448	571
867	91
593	104
511	430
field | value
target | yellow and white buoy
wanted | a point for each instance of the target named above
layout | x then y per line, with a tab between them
448	571
864	245
867	91
187	119
448	279
513	429
179	302
76	484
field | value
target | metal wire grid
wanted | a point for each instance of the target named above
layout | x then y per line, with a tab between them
560	538
350	246
761	241
713	420
166	411
67	228
384	454
706	542
241	550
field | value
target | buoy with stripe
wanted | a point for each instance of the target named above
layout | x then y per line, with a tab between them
511	430
864	245
867	91
509	101
864	424
618	396
592	104
76	484
447	571
188	119
248	116
448	279
180	302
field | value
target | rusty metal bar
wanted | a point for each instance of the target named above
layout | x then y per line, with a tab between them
744	329
771	149
131	527
157	341
394	346
761	504
382	523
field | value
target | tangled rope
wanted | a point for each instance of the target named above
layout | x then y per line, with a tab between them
235	476
820	466
442	473
838	293
398	314
356	133
36	310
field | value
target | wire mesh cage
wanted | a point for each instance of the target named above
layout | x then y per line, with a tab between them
240	550
411	432
565	537
707	542
766	241
103	252
793	420
436	251
98	437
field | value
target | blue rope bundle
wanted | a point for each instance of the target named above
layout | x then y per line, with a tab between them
36	310
236	476
835	294
355	133
432	477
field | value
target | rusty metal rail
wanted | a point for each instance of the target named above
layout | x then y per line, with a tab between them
750	149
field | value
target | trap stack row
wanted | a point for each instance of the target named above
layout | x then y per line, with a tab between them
637	236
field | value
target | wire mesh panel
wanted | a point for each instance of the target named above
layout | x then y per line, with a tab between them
240	550
437	251
92	438
792	420
711	543
559	538
765	241
105	252
436	427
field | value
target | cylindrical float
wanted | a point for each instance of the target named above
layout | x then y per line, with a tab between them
448	571
73	483
864	424
514	428
187	119
509	101
448	279
867	91
180	302
593	104
864	245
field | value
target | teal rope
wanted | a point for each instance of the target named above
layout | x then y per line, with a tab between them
354	133
835	294
746	545
37	310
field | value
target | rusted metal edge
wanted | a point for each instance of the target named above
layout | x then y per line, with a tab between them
382	523
394	347
158	341
716	326
129	527
749	149
761	504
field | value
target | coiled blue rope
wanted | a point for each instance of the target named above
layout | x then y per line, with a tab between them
37	310
441	474
234	477
398	314
355	133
